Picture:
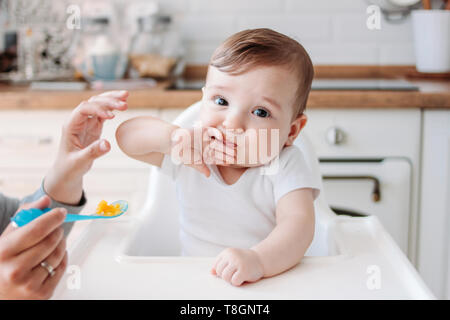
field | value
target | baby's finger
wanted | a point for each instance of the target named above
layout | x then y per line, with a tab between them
222	158
213	269
221	266
228	273
237	279
212	133
198	163
220	146
202	168
117	94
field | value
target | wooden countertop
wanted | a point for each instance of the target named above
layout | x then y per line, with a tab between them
433	93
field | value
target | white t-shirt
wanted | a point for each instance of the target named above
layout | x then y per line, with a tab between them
215	215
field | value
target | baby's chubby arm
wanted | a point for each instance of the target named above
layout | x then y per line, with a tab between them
283	248
286	245
149	138
145	138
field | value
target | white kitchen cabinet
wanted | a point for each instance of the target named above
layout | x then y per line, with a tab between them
370	160
434	240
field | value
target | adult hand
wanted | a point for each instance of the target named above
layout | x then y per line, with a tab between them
81	144
23	249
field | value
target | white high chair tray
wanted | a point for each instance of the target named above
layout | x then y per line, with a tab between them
369	266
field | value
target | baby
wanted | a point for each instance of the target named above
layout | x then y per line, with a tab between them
259	223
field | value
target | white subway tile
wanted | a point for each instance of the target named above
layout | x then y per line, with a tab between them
300	27
206	28
236	6
300	6
392	54
198	53
352	54
173	6
353	28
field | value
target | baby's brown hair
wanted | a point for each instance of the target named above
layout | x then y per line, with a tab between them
265	47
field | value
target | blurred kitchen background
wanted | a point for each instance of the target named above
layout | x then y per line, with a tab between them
52	33
379	111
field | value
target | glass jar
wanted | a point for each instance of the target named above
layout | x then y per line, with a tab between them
156	49
99	56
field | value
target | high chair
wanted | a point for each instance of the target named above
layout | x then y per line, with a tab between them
350	257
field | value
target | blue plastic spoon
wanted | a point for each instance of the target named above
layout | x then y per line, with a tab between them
27	215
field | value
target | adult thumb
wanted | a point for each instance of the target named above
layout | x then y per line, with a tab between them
42	203
96	149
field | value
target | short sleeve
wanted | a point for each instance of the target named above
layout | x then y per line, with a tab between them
169	167
294	173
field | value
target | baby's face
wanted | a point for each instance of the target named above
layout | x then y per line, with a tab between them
250	109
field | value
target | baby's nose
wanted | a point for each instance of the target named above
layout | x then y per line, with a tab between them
233	123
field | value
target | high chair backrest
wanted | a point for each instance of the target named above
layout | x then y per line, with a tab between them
161	207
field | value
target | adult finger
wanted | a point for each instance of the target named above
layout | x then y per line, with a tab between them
50	283
33	256
34	232
27	260
55	259
117	94
87	110
108	103
95	150
42	203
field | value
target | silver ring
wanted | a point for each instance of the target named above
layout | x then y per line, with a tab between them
48	267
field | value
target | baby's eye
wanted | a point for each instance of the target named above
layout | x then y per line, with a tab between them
261	113
220	101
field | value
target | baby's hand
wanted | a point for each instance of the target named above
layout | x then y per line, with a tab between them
238	265
199	146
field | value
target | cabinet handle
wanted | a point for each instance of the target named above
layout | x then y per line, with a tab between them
46	140
26	140
335	136
376	194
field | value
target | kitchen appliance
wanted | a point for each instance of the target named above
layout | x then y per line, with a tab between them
369	161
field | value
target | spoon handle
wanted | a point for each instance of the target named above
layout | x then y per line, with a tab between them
76	217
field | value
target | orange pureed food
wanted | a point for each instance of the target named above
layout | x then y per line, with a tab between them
109	210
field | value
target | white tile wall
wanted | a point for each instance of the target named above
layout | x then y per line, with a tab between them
333	31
